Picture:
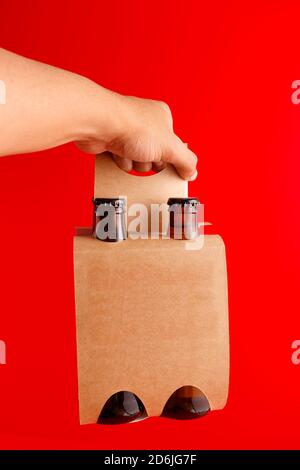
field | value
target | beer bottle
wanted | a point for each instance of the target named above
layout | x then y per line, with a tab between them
109	225
121	408
109	219
186	403
183	218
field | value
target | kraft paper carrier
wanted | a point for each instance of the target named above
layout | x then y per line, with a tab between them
152	315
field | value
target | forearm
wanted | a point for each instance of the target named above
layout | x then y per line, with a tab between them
46	106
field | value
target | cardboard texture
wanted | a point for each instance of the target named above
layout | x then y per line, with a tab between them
152	315
110	181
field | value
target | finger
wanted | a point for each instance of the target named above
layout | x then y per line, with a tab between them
124	163
184	160
142	166
158	166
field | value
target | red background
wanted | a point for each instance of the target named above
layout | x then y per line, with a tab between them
226	69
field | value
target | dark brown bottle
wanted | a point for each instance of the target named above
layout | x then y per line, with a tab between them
121	408
186	403
109	219
184	218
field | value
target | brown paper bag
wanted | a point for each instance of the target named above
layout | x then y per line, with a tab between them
152	315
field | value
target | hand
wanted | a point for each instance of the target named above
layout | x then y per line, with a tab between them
49	107
143	138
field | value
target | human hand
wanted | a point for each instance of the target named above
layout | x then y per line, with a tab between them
142	138
50	106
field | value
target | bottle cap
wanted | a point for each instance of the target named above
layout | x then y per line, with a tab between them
184	201
118	203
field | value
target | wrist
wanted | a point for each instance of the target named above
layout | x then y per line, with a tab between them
102	116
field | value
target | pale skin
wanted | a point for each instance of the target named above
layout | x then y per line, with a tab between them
47	107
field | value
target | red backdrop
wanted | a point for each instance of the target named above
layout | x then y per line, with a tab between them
226	70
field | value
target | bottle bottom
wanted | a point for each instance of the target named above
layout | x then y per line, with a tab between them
122	408
125	407
186	403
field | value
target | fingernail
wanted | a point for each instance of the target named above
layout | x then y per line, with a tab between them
194	176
